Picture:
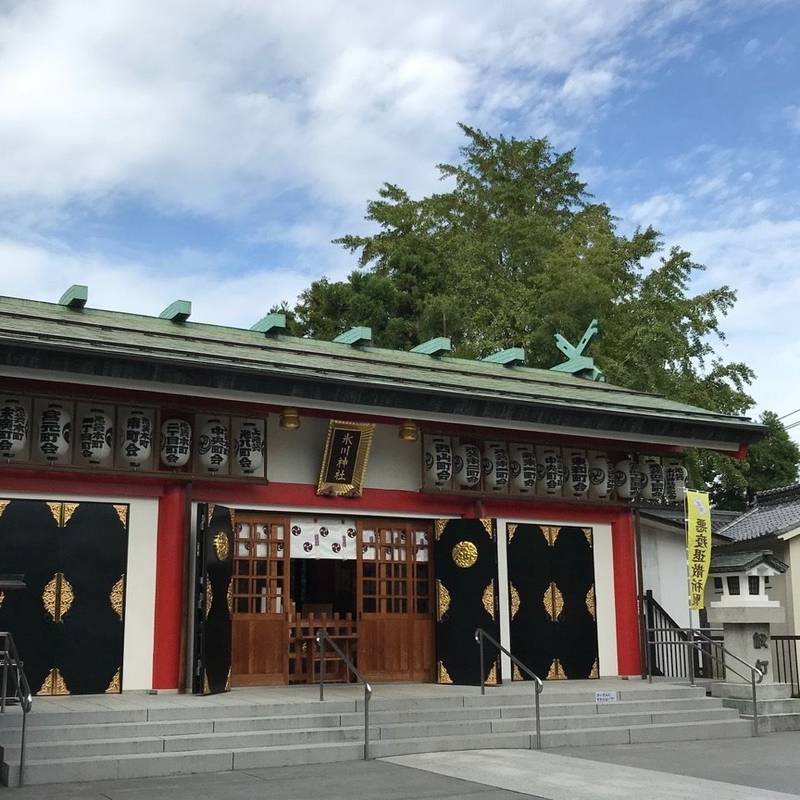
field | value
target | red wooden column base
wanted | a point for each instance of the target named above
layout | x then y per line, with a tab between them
170	555
624	549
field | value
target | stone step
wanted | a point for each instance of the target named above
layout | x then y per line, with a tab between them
132	765
783	706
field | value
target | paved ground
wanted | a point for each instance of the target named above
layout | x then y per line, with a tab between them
355	780
771	761
559	777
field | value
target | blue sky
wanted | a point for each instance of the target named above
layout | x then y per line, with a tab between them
211	151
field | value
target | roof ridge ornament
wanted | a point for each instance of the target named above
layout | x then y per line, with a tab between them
75	297
511	357
270	324
433	347
577	363
179	311
355	336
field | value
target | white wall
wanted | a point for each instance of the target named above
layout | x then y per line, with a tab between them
603	584
664	571
296	456
140	581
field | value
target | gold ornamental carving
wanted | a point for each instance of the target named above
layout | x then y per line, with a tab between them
115	686
595	672
516	675
511	529
550	532
591	605
211	507
465	554
444	675
491	678
487	523
55	510
553	601
228	680
117	597
2	597
487	598
3	506
443	600
57	597
206	687
587	532
54	683
514	600
69	510
122	513
209	596
556	671
228	595
221	546
438	528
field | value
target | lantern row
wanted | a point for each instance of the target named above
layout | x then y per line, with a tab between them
101	436
496	467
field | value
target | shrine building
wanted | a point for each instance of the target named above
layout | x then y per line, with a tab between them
188	503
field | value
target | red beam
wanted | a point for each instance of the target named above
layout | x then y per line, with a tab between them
624	549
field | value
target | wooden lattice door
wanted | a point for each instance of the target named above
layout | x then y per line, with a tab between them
260	600
395	600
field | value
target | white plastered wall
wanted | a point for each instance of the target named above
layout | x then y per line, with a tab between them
603	584
140	581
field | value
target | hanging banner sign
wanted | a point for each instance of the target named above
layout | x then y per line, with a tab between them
344	462
698	545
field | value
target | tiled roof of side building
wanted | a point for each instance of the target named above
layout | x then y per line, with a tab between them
775	512
51	326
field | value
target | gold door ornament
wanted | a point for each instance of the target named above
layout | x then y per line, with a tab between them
209	596
491	678
54	683
487	598
3	506
516	675
553	601
229	595
68	511
2	594
115	685
595	670
221	546
122	513
515	602
587	532
444	675
117	597
511	529
550	533
487	523
465	554
591	604
556	671
438	528
57	597
443	600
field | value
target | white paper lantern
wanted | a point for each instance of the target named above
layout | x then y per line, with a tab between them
14	426
523	468
95	436
576	473
248	446
601	478
675	476
639	478
136	437
438	462
622	479
467	466
212	445
653	487
496	467
176	442
550	465
55	431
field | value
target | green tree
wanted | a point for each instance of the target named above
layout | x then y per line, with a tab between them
515	250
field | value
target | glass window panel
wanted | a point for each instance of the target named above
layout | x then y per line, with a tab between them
733	584
261	550
370	605
277	532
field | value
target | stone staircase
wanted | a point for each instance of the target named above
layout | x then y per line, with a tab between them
131	739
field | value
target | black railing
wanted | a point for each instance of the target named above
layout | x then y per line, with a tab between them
323	638
13	678
784	655
670	661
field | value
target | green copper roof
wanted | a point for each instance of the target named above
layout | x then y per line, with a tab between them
53	328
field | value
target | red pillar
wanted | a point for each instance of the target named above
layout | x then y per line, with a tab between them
170	559
625	593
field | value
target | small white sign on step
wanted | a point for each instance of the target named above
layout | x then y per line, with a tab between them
605	697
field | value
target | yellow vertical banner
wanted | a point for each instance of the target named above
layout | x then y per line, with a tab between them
698	545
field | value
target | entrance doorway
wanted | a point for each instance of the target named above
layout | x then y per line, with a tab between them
369	583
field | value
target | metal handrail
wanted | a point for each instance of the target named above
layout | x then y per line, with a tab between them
9	657
321	637
754	671
480	635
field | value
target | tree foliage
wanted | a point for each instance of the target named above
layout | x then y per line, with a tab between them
515	250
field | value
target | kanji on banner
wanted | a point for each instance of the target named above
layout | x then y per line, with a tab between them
698	544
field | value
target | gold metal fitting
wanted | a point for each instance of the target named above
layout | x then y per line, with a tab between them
289	419
408	431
